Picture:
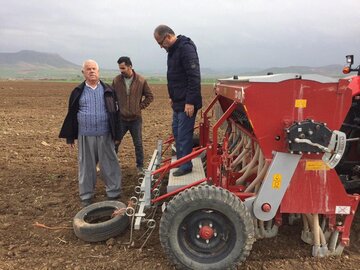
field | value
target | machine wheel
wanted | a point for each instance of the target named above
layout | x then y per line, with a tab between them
94	222
206	227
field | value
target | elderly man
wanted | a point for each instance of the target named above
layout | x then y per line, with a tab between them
183	76
92	118
134	95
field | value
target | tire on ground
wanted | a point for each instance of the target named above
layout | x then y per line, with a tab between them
224	215
94	223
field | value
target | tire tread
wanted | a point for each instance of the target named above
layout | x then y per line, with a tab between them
212	193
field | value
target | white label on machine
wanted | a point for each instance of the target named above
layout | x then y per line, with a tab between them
344	210
163	207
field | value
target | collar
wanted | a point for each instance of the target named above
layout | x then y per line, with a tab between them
132	77
93	88
175	45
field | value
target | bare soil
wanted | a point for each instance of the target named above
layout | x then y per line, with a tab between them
38	176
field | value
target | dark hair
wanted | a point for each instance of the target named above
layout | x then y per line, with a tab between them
163	29
124	59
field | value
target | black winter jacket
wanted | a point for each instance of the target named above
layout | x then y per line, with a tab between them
70	127
183	74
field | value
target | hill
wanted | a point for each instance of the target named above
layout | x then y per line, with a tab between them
329	70
28	58
28	64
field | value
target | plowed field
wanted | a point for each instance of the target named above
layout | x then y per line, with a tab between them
38	176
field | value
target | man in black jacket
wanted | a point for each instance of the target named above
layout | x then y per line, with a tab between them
92	118
183	76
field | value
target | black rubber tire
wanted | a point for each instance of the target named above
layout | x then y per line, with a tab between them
94	223
204	205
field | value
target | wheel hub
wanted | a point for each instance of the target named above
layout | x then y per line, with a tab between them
206	232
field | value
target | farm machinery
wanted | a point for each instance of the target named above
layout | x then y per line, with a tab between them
289	150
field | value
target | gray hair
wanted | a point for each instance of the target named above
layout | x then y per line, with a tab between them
89	61
163	29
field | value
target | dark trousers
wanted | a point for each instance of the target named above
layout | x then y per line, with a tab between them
183	131
135	128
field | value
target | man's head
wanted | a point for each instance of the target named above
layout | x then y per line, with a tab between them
164	36
125	66
90	70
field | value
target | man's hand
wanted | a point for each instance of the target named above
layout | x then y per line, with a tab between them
170	102
72	145
189	110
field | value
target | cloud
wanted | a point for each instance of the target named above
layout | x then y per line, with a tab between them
228	33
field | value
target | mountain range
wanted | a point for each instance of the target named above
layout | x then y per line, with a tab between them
28	58
29	64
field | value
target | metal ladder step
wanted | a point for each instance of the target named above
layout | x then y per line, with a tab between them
187	179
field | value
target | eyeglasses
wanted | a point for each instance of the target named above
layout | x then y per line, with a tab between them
162	41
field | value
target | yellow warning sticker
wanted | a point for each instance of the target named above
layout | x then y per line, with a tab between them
276	182
300	103
316	165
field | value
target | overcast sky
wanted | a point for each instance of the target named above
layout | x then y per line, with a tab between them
228	33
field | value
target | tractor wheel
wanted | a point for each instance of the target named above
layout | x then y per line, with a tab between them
206	227
95	223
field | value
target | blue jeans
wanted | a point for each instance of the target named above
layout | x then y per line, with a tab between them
183	131
135	128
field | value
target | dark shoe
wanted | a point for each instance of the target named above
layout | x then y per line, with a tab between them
86	202
180	172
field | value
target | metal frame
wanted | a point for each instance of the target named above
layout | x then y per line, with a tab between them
297	185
